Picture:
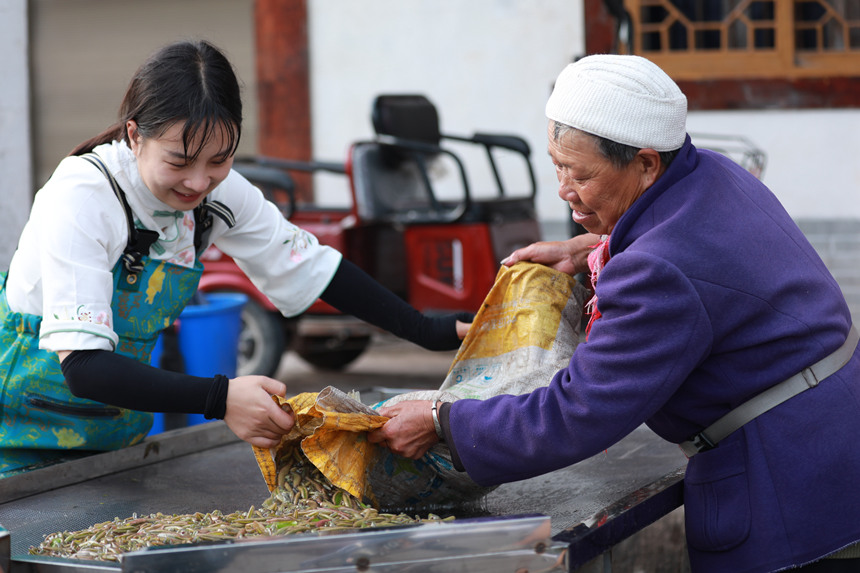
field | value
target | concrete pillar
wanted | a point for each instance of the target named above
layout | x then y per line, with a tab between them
15	154
282	82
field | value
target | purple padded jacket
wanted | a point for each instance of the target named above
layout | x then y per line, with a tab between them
711	296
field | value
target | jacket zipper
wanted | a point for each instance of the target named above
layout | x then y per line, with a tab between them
80	411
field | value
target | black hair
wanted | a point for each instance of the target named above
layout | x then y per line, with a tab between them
187	81
619	154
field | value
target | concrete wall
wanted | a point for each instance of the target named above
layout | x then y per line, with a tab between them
489	65
486	64
15	158
85	52
812	165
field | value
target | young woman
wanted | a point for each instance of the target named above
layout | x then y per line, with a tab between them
109	258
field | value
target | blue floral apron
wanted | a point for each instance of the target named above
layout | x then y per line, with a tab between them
40	420
39	417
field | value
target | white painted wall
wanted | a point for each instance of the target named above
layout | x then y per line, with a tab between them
487	65
85	52
812	156
15	158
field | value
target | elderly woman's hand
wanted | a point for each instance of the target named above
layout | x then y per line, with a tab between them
570	256
409	432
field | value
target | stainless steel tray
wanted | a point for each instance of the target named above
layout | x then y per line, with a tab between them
581	510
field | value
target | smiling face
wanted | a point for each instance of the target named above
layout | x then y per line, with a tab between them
173	177
597	191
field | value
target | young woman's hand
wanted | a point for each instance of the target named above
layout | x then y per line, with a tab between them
463	328
570	256
253	415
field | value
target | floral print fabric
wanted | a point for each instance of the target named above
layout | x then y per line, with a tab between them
39	417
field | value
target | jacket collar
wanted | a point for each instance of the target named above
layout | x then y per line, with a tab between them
683	164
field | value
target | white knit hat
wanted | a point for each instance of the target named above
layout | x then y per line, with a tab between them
626	99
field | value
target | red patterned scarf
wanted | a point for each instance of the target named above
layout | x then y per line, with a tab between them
597	259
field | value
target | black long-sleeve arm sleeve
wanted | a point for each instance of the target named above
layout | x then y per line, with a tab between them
118	380
352	291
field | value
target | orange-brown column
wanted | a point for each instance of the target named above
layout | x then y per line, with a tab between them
283	84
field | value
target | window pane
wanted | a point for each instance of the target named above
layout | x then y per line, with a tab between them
706	25
651	42
678	36
698	11
855	38
831	35
808	10
760	11
806	39
826	25
654	14
708	40
737	35
765	38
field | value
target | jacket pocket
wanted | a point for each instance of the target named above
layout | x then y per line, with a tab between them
717	499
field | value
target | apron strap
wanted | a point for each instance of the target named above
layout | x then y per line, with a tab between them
203	221
139	240
773	396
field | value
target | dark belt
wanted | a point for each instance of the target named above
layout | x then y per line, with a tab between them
773	396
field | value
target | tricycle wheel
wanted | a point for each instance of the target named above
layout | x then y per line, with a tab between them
262	341
331	352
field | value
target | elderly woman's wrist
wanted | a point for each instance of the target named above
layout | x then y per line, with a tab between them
444	411
437	426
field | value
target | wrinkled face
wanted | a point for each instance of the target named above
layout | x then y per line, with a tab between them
597	191
177	180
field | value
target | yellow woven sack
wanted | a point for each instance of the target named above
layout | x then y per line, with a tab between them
524	332
526	329
331	429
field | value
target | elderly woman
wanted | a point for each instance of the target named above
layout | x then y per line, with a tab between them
708	298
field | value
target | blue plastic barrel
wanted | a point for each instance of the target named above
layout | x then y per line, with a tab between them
208	340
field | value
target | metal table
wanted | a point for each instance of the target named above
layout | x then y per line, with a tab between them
568	516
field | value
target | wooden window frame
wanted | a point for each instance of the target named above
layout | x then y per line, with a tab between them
821	83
